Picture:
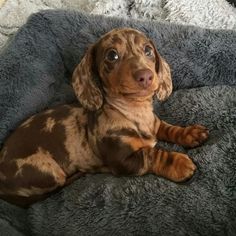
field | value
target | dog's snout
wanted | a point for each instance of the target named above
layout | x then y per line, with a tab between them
144	77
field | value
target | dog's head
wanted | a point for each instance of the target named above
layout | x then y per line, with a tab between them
127	65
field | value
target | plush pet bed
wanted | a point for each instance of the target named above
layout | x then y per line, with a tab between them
35	71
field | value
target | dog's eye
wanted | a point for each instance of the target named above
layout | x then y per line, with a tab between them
112	55
148	50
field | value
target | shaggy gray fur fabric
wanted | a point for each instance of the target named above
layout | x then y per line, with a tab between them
35	70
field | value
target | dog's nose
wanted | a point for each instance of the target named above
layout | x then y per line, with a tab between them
144	77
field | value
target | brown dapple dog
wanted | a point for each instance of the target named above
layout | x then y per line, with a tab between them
114	131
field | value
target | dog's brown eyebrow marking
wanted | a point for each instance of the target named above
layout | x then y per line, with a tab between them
137	39
116	39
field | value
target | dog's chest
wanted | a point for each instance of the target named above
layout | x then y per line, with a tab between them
80	155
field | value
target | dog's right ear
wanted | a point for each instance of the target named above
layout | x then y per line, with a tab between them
83	82
164	76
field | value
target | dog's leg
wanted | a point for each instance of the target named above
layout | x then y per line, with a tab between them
127	159
190	136
33	175
175	166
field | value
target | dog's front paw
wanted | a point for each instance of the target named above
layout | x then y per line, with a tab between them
194	135
174	166
183	168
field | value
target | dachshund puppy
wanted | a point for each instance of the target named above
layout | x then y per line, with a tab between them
114	131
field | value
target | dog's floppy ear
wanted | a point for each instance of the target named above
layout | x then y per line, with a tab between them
83	82
164	76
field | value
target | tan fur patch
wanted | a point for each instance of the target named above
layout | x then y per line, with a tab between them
27	192
48	112
47	164
49	125
27	123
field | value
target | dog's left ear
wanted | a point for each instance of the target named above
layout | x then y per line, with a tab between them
164	77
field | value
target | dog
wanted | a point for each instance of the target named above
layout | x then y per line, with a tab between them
114	129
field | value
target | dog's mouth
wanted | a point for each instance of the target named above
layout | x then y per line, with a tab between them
138	94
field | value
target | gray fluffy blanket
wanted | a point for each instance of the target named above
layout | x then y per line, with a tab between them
35	69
